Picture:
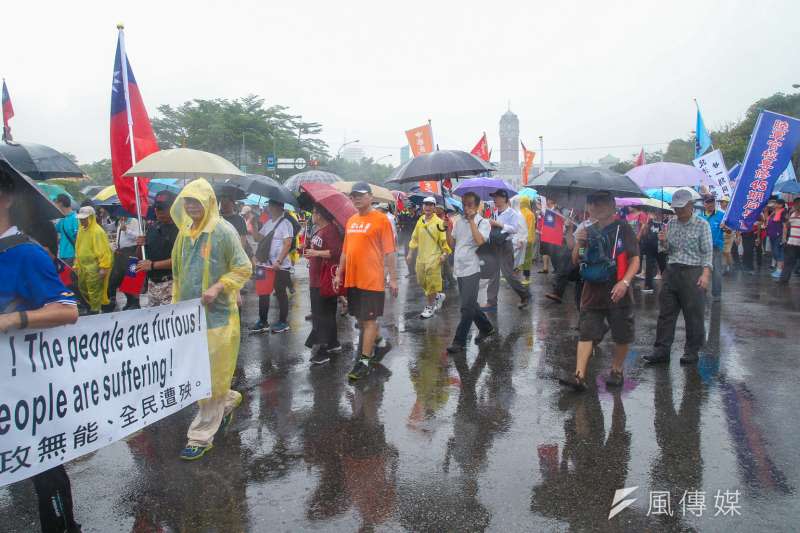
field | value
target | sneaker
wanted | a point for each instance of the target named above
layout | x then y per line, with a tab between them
524	303
456	348
658	276
259	327
382	347
227	419
654	359
689	359
320	357
648	291
439	301
553	297
280	327
776	274
193	453
360	369
615	379
427	312
336	348
483	336
574	382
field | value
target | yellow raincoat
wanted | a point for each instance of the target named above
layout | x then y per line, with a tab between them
430	240
530	222
202	256
93	252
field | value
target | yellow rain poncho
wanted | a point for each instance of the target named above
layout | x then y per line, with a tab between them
92	253
430	240
530	222
203	255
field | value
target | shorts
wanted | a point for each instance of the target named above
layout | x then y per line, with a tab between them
594	323
365	305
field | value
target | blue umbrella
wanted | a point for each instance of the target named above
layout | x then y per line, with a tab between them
164	184
529	193
659	194
483	187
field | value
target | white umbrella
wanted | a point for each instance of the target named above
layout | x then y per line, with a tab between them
184	163
382	194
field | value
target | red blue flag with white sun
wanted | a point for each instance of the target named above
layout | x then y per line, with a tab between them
127	108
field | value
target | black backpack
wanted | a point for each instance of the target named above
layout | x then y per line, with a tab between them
265	244
598	258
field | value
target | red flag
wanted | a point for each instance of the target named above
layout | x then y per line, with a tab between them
481	149
552	228
420	139
127	108
8	112
527	158
640	159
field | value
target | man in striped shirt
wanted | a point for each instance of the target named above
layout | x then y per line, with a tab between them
791	239
688	243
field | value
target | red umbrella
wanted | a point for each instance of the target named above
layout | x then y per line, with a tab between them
324	195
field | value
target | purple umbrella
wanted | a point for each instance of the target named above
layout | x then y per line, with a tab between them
666	175
483	187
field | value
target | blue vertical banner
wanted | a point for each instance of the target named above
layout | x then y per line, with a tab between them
774	139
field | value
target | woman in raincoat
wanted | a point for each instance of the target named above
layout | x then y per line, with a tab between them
208	262
93	260
530	221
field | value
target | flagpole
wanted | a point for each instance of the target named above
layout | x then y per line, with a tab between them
123	59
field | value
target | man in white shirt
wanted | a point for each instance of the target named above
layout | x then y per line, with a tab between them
508	221
277	234
127	233
469	232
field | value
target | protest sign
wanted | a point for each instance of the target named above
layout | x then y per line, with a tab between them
70	390
716	175
772	143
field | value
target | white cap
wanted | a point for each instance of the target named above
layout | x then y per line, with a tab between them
85	212
680	198
429	200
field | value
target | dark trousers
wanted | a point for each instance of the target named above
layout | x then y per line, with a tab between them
752	253
118	270
470	310
505	262
323	320
567	272
282	282
654	261
680	293
55	501
791	257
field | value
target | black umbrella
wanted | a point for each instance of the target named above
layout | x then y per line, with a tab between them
263	186
569	186
310	176
39	162
440	165
231	191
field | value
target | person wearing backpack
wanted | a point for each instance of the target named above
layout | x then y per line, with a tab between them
67	229
607	251
276	240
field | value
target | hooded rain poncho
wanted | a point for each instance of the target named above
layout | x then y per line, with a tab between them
92	253
203	255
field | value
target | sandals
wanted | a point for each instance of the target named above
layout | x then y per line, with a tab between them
575	382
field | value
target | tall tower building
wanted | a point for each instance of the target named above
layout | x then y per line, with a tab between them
509	147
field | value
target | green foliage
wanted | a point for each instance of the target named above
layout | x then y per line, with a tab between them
222	126
366	170
99	172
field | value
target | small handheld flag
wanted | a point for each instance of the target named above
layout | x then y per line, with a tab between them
8	113
133	281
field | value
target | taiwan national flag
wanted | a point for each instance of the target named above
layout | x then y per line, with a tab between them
552	228
8	113
127	108
132	281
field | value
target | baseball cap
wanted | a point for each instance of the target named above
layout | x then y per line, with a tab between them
164	200
708	198
362	187
85	212
500	192
429	200
681	198
726	199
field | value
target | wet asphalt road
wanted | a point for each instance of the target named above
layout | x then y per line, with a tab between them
482	442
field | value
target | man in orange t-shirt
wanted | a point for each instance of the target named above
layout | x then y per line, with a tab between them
368	248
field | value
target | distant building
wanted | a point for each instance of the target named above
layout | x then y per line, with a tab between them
608	161
509	168
405	154
354	154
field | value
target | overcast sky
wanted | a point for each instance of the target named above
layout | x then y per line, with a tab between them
582	74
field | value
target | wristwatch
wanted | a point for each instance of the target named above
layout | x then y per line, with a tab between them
627	284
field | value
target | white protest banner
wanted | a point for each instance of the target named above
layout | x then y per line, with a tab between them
70	390
717	180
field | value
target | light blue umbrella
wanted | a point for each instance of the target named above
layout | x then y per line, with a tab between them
164	184
528	193
254	199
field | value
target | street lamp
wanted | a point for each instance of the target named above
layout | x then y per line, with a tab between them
382	158
339	151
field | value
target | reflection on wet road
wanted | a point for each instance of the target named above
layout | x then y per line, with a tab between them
485	441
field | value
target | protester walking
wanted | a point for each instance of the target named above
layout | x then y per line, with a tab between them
158	244
429	244
775	226
368	250
323	256
714	217
530	224
607	251
208	262
275	239
689	244
469	233
93	260
791	238
67	229
506	222
127	233
32	296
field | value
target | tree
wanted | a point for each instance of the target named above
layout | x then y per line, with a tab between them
366	170
243	130
99	172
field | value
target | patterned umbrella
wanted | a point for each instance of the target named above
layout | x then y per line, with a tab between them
310	176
